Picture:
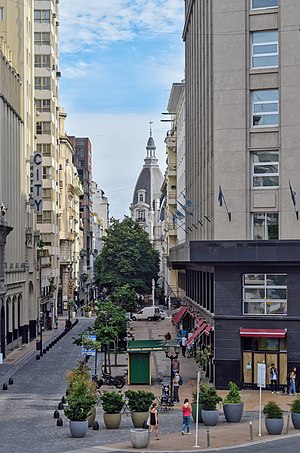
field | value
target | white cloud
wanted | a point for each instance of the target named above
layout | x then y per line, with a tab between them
77	70
108	21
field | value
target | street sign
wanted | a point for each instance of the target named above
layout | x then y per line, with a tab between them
89	351
261	375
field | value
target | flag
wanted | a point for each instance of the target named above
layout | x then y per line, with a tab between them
220	196
179	214
293	194
184	208
188	202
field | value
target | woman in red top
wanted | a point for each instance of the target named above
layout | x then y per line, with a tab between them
186	419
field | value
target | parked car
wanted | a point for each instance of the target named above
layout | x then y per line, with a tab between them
147	313
163	314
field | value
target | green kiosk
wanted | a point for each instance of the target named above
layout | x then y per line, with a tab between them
139	359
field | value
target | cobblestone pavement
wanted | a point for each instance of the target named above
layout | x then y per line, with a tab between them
26	409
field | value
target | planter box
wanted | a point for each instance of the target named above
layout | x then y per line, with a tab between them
274	425
139	438
296	420
91	418
233	412
78	429
138	418
112	421
210	418
194	412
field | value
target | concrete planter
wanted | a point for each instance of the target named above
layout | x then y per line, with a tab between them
78	429
194	412
210	418
274	425
138	418
233	412
112	421
139	438
88	314
296	420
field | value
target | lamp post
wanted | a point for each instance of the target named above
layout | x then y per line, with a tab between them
41	332
172	355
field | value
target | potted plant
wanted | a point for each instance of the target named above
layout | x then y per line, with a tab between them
112	404
273	418
233	405
87	310
81	398
295	410
139	402
72	306
209	400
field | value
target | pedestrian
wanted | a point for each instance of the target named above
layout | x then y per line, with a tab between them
176	379
154	420
176	366
186	416
293	381
183	345
168	336
274	378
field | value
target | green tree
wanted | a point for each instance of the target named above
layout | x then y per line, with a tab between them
127	257
125	297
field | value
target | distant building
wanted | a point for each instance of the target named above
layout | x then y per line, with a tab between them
146	197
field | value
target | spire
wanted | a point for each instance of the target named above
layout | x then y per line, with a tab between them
150	145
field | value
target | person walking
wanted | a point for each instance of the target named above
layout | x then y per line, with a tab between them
186	416
176	366
154	420
293	382
274	378
183	345
176	379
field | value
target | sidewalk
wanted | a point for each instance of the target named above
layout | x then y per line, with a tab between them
21	355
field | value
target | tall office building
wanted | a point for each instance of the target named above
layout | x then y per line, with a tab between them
19	310
240	270
83	163
46	76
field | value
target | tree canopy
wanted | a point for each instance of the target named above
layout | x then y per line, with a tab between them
127	257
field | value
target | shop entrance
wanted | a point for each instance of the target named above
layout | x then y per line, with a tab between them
251	358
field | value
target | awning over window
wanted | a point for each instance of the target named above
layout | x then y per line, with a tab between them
198	332
177	317
263	333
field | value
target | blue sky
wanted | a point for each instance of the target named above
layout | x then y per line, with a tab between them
118	60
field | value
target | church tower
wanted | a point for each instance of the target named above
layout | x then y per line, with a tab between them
146	197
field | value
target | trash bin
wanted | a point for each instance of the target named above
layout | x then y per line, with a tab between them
139	437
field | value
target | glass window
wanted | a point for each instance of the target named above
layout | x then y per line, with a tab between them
42	83
265	108
42	15
141	216
265	226
259	4
41	38
1	13
265	169
42	61
43	127
266	294
264	50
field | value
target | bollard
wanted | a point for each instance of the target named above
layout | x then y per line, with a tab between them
251	430
47	348
56	414
44	351
207	438
59	422
67	392
60	406
4	387
288	423
63	400
10	381
95	426
37	357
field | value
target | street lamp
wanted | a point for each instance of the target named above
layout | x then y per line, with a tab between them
41	332
172	352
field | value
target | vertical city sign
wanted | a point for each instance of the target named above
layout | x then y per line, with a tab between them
36	182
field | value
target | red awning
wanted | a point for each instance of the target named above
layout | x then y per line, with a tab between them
207	330
177	317
196	334
263	333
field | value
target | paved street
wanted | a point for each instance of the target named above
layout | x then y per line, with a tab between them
26	409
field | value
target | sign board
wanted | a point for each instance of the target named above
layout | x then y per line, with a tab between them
89	351
261	375
36	182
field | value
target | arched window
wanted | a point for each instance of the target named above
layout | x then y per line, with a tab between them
141	198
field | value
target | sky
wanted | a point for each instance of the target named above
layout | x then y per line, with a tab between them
118	60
